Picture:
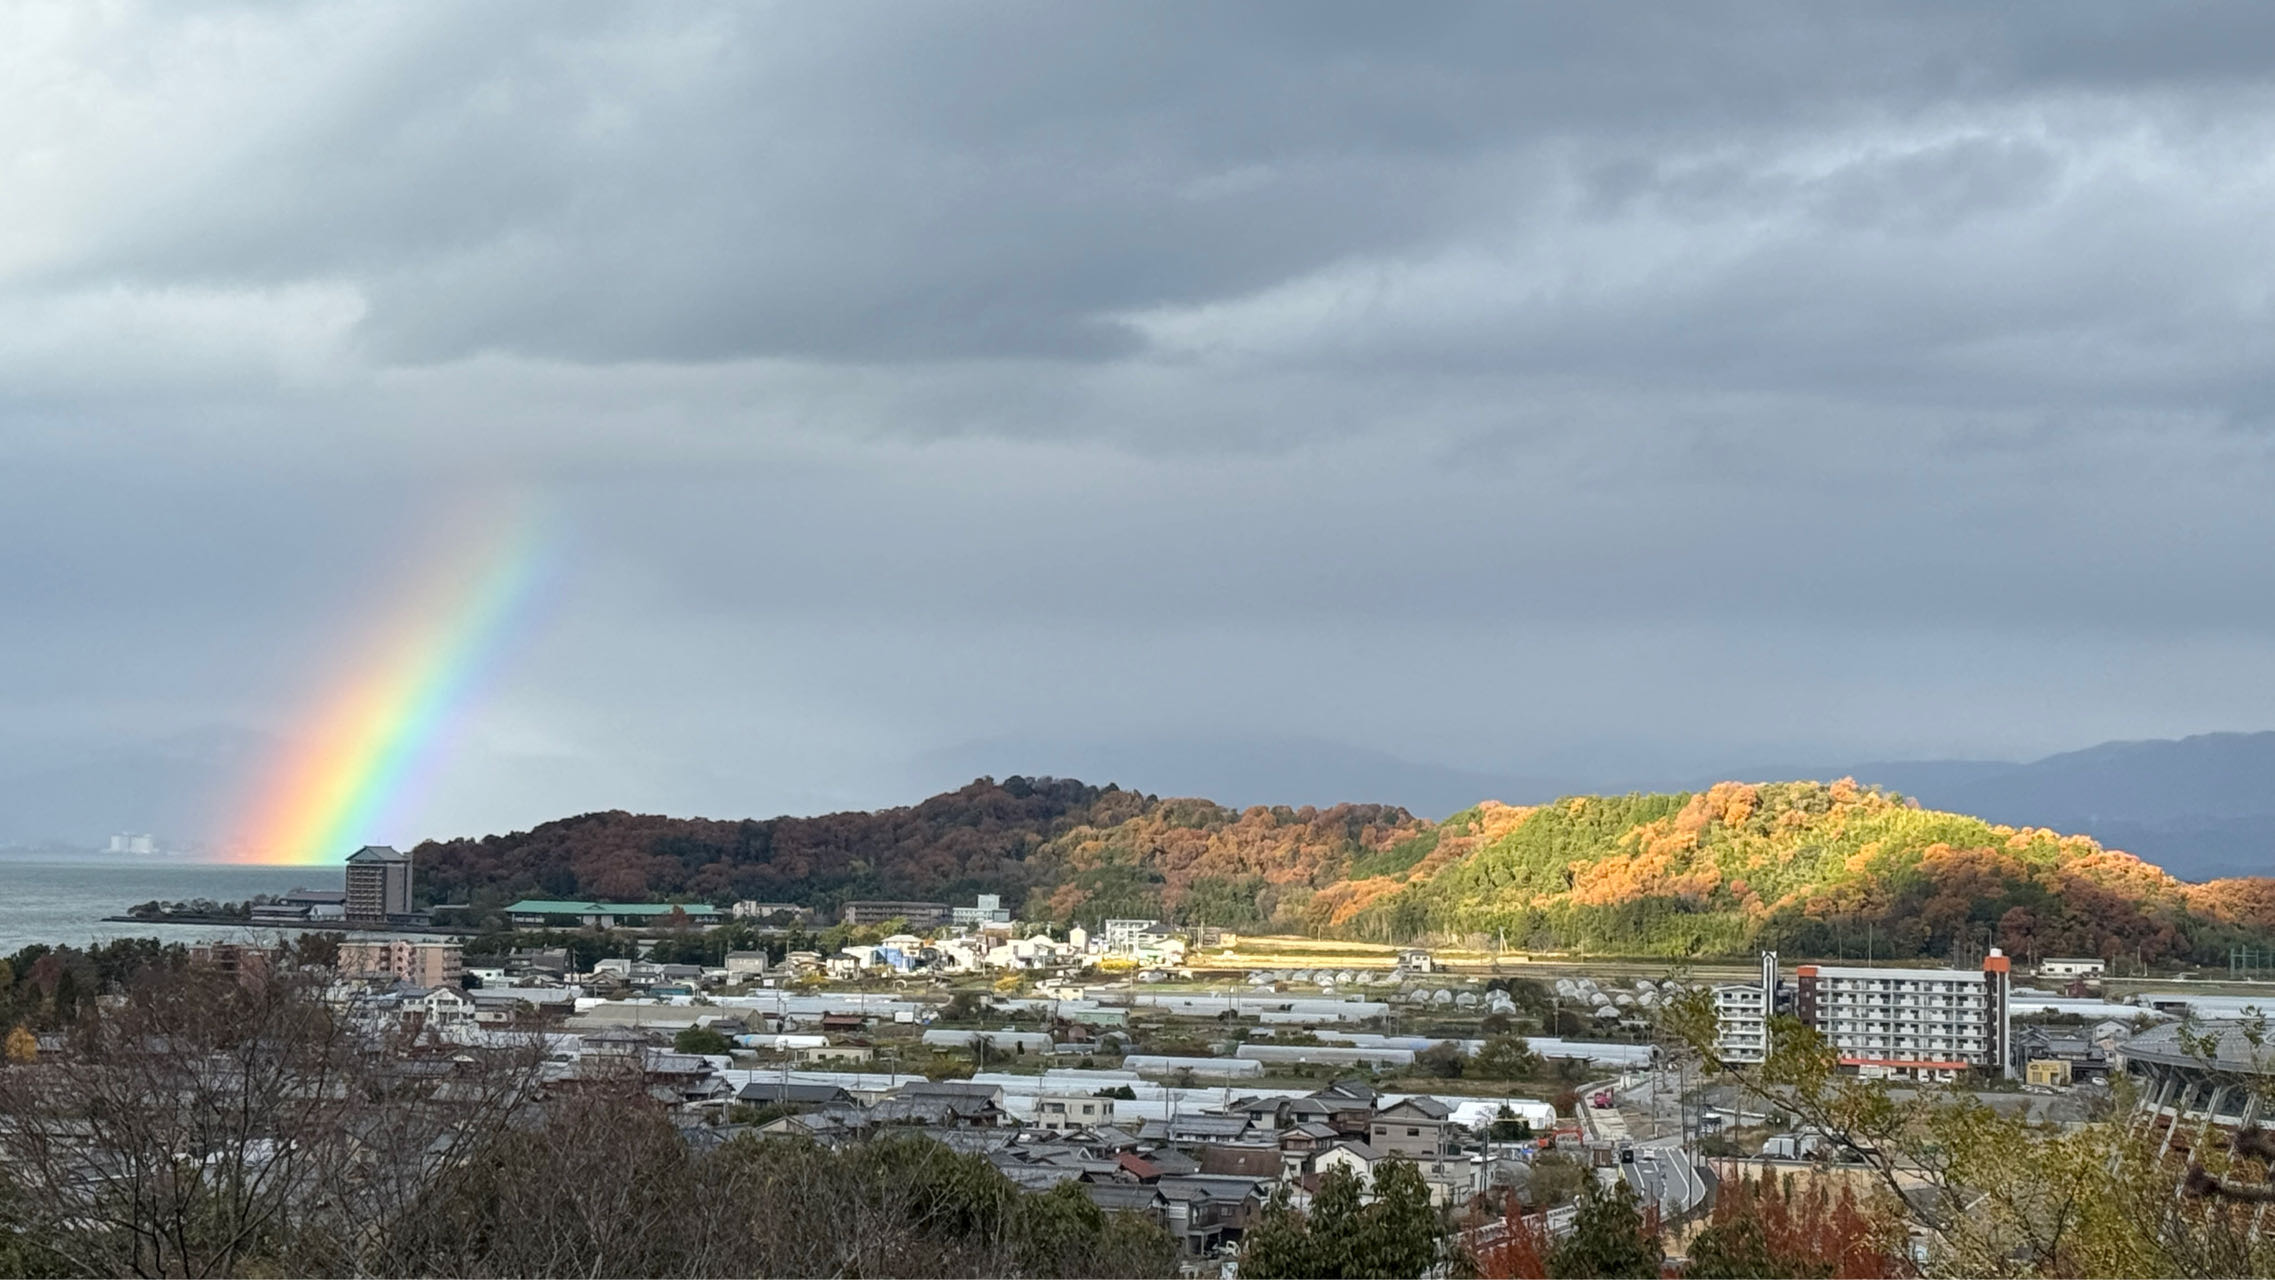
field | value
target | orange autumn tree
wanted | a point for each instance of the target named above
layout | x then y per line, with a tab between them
1514	1248
1784	1226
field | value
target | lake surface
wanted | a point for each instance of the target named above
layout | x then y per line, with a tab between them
56	900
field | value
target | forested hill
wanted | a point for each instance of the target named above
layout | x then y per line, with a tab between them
1809	868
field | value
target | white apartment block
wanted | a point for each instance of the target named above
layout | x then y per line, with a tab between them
1742	1012
1920	1024
1916	1024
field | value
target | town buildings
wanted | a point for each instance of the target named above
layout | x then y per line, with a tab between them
1125	937
783	913
916	915
987	908
420	964
1742	1011
303	906
378	884
559	913
1917	1024
2191	1078
1922	1024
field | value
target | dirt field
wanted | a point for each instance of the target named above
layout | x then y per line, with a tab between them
1284	952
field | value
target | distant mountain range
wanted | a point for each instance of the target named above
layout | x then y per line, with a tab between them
1806	868
2201	807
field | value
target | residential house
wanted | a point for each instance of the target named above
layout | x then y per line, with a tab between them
1348	1154
238	959
1239	1159
990	1094
1300	1145
841	1054
1107	1139
522	1006
549	963
958	955
792	1097
1346	1106
946	1109
1137	1168
1197	1127
1264	1114
439	1006
2060	1056
1207	1213
1415	1128
1142	1199
1062	1114
616	1042
688	1079
1172	1163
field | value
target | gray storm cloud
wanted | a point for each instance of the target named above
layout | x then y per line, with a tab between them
1505	388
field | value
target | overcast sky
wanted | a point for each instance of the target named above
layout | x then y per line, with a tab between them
1548	390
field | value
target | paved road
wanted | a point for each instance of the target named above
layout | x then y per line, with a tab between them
1660	1171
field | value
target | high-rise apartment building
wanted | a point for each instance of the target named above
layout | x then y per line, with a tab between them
378	883
1742	1012
1918	1024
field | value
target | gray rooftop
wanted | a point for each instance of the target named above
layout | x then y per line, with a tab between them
2226	1045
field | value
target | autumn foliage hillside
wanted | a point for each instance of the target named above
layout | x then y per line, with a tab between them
1808	868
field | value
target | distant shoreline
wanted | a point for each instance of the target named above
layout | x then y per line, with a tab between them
306	926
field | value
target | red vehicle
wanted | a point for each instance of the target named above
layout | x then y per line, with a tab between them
1601	1100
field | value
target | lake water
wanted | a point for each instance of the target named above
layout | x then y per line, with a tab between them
53	900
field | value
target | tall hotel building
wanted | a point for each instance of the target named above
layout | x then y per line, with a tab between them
1915	1024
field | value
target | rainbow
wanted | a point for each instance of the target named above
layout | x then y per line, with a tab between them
379	734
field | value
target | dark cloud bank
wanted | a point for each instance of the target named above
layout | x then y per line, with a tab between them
1542	393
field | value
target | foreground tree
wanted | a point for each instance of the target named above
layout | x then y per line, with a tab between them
1396	1232
1995	1195
1610	1237
211	1125
209	1121
1798	1227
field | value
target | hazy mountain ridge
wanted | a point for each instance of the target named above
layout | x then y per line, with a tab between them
2201	807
